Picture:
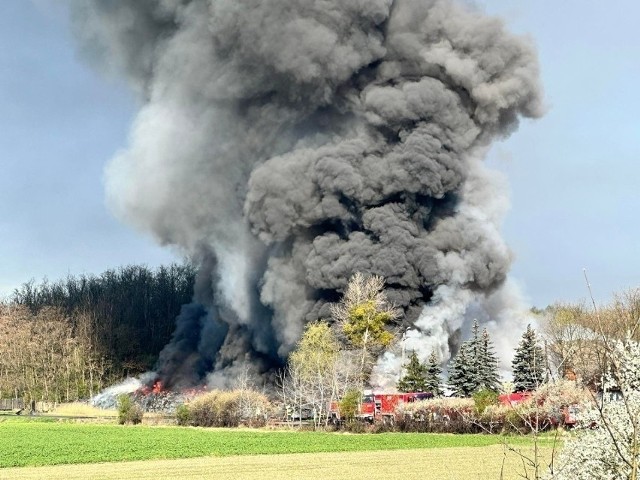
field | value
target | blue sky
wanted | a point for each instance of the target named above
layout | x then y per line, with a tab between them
59	124
573	174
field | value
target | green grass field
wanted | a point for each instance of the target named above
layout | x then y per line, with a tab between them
35	443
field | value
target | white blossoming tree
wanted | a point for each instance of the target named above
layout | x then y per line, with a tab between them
608	445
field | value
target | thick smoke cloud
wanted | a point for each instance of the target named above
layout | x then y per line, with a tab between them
286	145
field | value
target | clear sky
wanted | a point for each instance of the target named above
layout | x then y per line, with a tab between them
59	124
574	174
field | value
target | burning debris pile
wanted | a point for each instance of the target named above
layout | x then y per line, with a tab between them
285	145
148	393
157	399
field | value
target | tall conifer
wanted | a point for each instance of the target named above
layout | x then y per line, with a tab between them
528	363
415	377
434	382
488	376
461	373
476	365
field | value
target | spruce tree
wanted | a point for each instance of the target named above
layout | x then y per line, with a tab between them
433	383
476	365
528	363
414	380
462	375
475	349
488	376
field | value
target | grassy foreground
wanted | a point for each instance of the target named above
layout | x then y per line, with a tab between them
34	443
453	463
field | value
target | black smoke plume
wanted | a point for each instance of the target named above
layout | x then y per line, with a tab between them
285	145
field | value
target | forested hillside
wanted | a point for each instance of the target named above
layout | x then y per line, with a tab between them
63	340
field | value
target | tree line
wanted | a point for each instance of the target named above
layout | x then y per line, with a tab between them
572	341
333	361
67	339
475	367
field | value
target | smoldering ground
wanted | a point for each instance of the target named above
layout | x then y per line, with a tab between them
285	145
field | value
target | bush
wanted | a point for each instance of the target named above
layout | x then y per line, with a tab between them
255	408
215	409
183	415
228	409
355	426
540	412
440	415
526	417
128	411
483	398
383	427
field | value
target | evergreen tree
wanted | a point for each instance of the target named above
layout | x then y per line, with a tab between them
476	366
434	383
414	380
528	363
462	375
487	364
475	349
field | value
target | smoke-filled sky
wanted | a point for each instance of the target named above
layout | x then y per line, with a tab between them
572	173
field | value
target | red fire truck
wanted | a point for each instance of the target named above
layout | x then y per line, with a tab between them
514	398
566	416
379	406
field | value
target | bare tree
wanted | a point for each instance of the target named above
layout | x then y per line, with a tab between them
42	358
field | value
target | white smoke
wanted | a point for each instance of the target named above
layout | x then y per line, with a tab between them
108	398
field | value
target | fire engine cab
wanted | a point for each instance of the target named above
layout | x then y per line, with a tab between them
379	406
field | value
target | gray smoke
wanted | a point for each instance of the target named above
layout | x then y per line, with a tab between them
286	145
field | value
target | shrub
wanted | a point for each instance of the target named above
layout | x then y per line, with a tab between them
254	407
526	417
554	396
228	409
215	409
445	415
483	398
128	411
384	427
355	426
542	411
183	415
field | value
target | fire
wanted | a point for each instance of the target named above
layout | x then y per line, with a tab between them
195	391
155	389
158	388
